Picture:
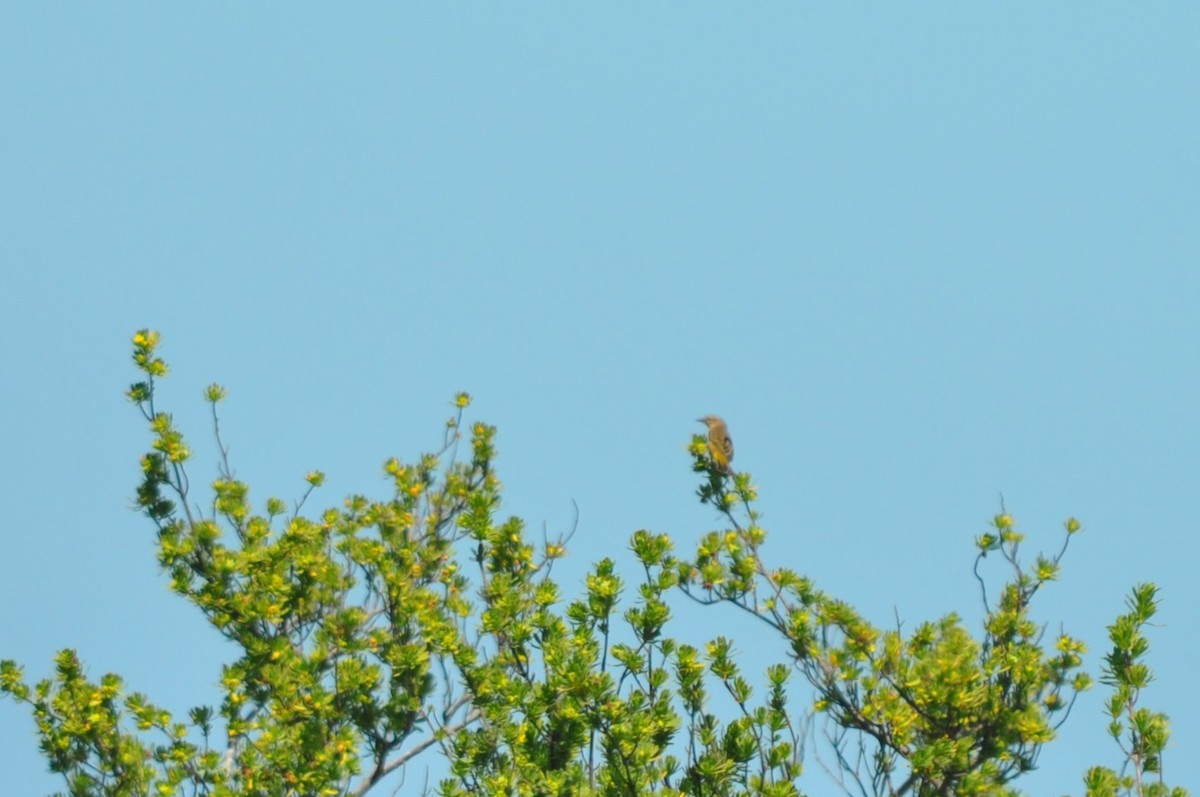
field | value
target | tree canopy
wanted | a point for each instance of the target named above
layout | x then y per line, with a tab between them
378	632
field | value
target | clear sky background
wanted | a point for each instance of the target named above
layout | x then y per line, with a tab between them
917	255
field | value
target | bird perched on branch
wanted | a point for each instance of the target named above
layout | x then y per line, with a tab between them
720	444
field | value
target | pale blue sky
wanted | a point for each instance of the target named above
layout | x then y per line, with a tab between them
917	256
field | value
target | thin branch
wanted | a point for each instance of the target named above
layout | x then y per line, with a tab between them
382	771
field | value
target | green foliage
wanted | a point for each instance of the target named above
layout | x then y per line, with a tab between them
935	712
374	632
80	726
1140	733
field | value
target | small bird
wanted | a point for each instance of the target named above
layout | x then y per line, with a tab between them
720	444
